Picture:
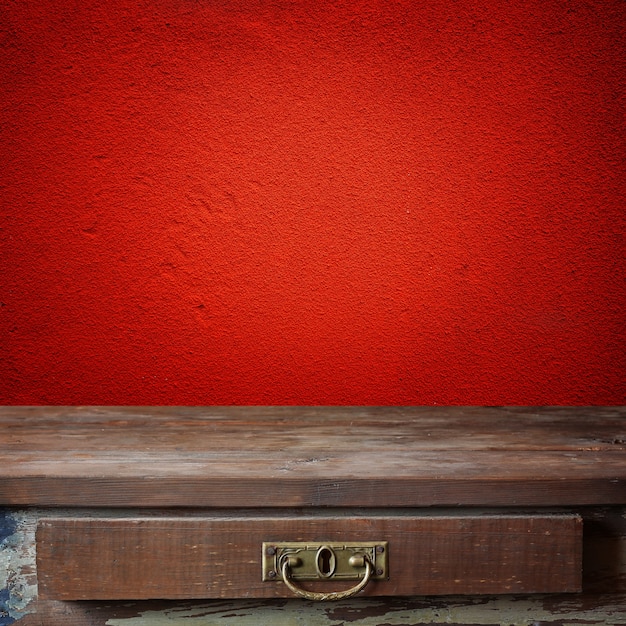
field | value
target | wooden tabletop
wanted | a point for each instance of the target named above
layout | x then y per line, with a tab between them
312	456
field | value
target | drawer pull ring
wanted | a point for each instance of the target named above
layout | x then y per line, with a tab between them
333	595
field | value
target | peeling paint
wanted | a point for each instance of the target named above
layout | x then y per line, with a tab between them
504	611
18	578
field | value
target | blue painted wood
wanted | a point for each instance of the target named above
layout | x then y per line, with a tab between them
5	618
8	526
18	587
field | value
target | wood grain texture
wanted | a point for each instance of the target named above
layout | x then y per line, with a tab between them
312	456
220	556
553	610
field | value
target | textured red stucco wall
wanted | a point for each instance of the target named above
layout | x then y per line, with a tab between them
305	202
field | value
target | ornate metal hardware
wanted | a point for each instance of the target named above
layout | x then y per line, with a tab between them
294	561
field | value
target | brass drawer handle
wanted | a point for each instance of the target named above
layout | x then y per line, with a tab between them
333	595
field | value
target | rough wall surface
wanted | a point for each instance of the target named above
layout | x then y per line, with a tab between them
304	202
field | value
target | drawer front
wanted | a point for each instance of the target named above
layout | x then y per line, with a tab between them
222	556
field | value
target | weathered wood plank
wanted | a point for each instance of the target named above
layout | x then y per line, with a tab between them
215	556
592	610
425	428
312	456
144	489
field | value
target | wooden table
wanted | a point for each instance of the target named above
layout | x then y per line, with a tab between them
135	504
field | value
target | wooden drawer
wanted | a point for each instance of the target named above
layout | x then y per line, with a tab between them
221	554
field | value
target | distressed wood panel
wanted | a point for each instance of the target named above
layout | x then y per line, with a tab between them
18	580
312	456
592	610
142	558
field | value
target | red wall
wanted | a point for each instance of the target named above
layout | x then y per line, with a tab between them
305	202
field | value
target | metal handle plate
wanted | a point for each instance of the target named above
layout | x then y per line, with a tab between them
294	561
